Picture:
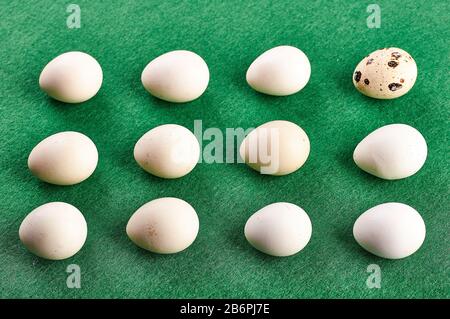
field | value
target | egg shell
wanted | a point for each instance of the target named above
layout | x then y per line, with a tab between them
283	70
391	152
279	229
72	77
385	74
167	151
390	230
165	225
54	231
176	76
64	158
276	148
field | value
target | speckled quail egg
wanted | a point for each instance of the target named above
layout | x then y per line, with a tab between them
385	74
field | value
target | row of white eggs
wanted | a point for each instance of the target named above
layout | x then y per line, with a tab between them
169	225
391	152
182	76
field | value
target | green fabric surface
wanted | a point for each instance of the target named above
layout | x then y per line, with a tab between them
124	36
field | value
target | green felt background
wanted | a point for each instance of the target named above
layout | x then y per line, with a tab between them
124	36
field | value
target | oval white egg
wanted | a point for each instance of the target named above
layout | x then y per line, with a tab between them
385	74
280	71
54	231
390	230
64	158
167	151
279	229
391	152
275	148
164	225
177	76
71	77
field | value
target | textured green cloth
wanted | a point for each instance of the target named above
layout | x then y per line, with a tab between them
124	36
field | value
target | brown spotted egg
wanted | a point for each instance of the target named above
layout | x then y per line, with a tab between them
385	74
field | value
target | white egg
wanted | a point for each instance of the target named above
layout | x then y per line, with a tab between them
280	71
54	231
385	74
167	151
391	152
64	158
390	230
71	77
279	229
177	76
275	148
164	225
